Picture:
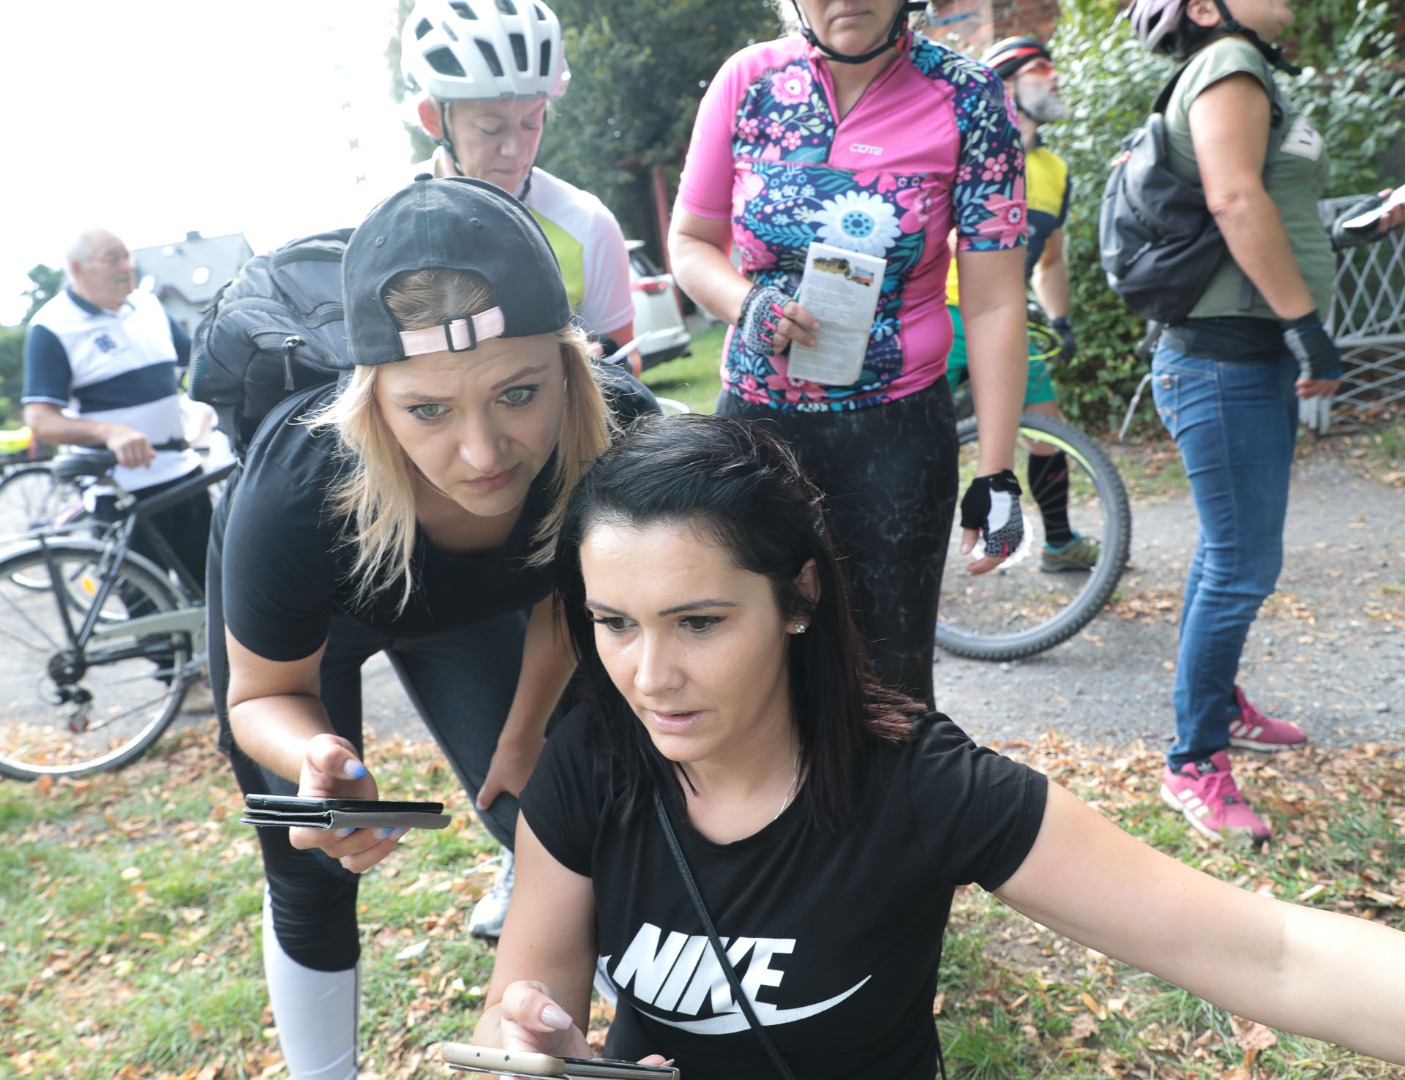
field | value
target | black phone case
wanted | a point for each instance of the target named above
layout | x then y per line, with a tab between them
285	812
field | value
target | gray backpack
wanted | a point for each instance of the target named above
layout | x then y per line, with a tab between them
1157	240
274	328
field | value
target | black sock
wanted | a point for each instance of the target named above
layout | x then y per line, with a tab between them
1048	483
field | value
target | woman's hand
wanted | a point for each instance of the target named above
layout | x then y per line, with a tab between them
1396	215
770	320
530	1018
510	769
332	769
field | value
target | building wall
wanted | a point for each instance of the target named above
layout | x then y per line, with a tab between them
973	25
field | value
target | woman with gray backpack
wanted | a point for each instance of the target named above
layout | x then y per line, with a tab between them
1228	375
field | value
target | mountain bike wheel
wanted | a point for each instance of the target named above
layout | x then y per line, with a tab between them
69	710
31	496
1019	609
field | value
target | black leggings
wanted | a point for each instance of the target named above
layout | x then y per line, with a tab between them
889	475
461	682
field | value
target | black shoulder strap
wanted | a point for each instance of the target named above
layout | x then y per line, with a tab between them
718	950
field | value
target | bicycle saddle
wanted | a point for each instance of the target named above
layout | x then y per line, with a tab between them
75	463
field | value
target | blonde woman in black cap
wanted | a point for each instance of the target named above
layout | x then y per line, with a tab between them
410	509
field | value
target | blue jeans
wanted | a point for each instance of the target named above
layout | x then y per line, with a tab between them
1235	425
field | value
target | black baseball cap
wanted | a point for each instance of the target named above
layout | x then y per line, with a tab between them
459	224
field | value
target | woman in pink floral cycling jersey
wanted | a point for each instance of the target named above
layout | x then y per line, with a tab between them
856	133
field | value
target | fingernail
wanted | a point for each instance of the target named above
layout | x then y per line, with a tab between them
383	833
554	1016
343	833
354	770
401	831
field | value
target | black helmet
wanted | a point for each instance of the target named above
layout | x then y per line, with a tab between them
1008	56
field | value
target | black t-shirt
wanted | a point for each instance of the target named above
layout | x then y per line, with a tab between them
838	935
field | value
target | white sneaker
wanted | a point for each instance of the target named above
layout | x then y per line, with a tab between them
491	909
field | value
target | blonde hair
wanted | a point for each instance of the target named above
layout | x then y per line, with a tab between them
374	493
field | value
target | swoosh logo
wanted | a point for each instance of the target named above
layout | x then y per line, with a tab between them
734	1020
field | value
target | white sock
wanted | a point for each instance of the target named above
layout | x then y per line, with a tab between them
315	1011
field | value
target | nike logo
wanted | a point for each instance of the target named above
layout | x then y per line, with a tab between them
678	973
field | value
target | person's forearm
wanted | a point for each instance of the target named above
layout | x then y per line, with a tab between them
274	731
706	274
59	430
1254	233
998	361
547	664
1343	980
1051	288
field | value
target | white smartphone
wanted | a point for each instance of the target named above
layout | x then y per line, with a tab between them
491	1059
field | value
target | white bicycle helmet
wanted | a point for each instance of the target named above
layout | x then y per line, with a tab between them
457	50
1153	20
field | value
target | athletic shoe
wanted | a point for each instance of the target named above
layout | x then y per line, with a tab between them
1080	553
491	909
1255	731
1205	792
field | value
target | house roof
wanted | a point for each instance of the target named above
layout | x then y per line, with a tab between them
193	268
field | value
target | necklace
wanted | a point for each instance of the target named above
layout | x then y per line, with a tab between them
790	791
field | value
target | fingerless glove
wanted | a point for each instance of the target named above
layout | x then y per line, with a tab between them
761	314
1316	352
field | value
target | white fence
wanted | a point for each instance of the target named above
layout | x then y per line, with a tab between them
1367	319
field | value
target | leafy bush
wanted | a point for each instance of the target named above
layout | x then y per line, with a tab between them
1351	89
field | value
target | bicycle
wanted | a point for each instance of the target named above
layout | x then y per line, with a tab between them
30	497
1019	610
101	642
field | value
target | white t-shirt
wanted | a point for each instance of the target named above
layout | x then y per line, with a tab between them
587	241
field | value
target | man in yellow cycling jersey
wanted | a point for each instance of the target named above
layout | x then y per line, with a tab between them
1033	85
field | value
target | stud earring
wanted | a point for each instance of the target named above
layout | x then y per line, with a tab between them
800	628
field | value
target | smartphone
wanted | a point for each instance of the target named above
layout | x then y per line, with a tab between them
491	1059
296	803
288	811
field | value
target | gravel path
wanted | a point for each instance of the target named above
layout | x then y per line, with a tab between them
1328	650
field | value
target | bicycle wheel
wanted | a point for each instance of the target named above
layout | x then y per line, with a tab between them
71	711
31	496
1018	609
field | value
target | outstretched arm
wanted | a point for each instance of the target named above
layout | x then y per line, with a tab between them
1312	972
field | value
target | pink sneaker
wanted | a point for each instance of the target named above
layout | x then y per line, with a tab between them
1255	731
1205	792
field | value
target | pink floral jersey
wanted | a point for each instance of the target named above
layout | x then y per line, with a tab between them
931	145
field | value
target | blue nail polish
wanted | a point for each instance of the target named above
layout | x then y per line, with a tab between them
383	833
343	833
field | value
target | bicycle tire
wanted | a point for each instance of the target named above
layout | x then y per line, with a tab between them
1018	610
31	496
73	712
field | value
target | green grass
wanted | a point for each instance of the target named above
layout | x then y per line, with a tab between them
131	910
694	379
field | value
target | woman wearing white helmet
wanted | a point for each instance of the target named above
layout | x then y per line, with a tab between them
488	71
1228	377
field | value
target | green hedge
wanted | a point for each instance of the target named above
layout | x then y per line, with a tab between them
1351	87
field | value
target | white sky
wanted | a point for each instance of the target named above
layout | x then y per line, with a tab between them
154	118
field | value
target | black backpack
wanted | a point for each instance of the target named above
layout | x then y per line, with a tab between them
274	328
1157	240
